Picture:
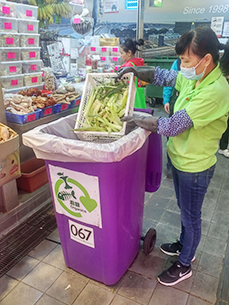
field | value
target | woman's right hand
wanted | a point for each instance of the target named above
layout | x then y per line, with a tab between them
167	108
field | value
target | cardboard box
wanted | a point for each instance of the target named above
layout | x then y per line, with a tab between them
9	158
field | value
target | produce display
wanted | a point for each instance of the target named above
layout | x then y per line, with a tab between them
26	101
104	107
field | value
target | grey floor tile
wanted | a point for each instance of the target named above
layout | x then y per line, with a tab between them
214	246
56	258
119	300
22	294
168	183
137	288
149	265
21	269
165	192
42	276
67	287
148	224
43	249
166	233
168	296
54	236
6	285
219	231
173	207
196	301
207	213
154	213
205	226
158	201
222	203
47	300
205	287
171	218
94	295
210	264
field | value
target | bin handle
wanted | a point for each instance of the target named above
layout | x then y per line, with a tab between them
150	111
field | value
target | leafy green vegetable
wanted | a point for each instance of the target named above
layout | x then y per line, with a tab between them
105	106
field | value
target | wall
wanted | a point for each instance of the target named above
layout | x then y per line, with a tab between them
172	11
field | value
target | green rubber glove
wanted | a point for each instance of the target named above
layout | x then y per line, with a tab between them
146	122
144	73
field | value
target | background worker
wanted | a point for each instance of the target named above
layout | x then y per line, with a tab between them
127	53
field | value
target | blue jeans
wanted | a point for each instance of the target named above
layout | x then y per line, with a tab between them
190	189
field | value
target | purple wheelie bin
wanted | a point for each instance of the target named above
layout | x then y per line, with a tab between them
112	193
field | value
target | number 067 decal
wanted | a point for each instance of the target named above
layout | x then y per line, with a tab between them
81	234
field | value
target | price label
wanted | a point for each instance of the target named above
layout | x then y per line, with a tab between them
103	58
34	79
7	25
14	82
9	40
31	117
30	27
33	67
31	41
29	13
32	54
76	20
10	55
104	49
93	49
48	111
12	69
64	107
115	49
114	58
6	10
81	234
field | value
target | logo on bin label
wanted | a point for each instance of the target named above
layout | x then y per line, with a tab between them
76	195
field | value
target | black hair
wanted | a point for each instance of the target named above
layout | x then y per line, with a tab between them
203	40
131	45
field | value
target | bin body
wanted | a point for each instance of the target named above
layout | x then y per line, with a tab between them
116	242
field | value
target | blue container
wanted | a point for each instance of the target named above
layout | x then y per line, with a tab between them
23	118
75	103
46	111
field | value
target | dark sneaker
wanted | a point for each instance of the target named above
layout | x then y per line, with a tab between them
171	249
175	274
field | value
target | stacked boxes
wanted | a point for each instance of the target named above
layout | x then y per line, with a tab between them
19	43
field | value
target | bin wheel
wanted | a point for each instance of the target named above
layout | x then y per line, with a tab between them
152	101
149	241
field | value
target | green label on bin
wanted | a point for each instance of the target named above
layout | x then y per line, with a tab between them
76	195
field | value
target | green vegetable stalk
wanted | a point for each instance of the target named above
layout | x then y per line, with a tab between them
104	108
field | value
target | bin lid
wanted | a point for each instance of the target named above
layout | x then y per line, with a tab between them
56	141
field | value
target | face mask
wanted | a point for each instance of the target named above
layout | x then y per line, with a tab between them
190	73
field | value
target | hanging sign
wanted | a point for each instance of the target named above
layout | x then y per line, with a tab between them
76	195
111	6
217	25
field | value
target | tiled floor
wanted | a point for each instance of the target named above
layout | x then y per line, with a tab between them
42	277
